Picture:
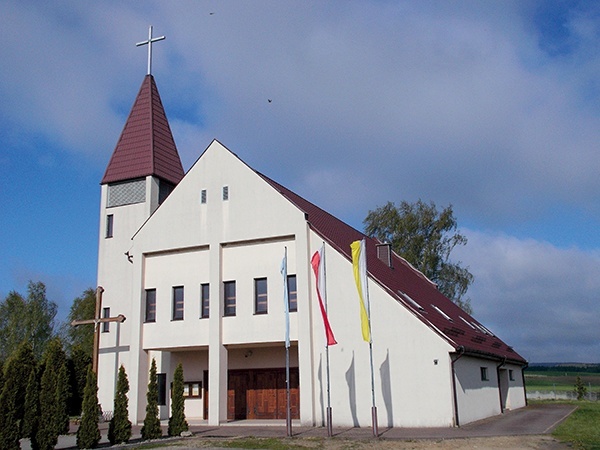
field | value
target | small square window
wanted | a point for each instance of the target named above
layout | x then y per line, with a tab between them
225	192
484	374
105	315
109	226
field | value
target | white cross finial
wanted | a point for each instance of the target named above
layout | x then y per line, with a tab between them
149	43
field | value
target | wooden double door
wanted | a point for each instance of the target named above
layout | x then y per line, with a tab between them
261	394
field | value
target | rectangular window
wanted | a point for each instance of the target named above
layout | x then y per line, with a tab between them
105	315
178	303
292	293
484	374
161	379
109	226
225	192
511	375
205	300
229	293
203	196
150	305
192	389
260	296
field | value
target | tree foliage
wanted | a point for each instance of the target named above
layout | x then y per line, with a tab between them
177	422
17	372
54	395
77	365
88	433
425	237
81	337
151	428
28	319
119	429
580	389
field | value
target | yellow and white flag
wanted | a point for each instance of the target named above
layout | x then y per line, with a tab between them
359	264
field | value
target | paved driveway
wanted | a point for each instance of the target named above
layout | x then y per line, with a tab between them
532	420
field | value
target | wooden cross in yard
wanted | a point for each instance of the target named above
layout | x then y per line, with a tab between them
97	320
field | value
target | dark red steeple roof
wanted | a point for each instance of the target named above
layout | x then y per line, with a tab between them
146	145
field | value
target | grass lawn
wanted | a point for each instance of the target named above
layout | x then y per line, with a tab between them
582	428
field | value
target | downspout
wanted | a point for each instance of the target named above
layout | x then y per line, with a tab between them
498	367
523	378
461	352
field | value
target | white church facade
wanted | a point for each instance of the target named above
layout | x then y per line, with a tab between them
193	262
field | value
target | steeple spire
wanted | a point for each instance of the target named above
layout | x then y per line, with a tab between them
146	145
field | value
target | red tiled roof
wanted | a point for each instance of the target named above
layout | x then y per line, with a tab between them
459	329
146	145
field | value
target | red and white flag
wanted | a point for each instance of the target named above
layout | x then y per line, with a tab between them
318	264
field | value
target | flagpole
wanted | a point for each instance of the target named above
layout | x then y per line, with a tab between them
374	407
288	418
329	424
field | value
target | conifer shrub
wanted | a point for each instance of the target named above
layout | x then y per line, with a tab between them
177	422
580	389
32	408
53	397
12	395
88	434
151	428
119	429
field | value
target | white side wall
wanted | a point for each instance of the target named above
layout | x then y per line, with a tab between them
477	398
411	363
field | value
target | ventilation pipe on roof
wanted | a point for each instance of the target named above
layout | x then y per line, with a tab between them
384	253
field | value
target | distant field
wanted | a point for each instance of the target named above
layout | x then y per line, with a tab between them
560	381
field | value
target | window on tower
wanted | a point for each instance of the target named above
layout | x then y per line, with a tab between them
105	315
109	226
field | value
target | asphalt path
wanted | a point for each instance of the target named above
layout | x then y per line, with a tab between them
536	419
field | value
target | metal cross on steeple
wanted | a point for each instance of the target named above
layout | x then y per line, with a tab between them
149	43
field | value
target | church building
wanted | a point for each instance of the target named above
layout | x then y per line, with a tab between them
193	261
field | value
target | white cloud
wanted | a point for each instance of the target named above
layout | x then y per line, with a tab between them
537	297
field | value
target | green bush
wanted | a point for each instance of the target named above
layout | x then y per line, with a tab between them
151	428
88	434
119	429
177	422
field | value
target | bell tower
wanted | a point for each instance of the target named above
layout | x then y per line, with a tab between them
143	170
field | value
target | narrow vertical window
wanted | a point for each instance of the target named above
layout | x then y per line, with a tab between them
150	305
511	375
229	293
204	301
225	192
105	315
161	379
109	226
203	196
292	293
484	374
260	296
178	303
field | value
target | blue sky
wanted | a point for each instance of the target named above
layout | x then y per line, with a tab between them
493	107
